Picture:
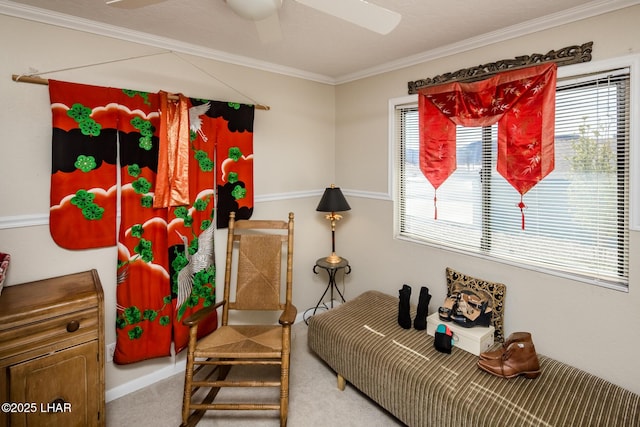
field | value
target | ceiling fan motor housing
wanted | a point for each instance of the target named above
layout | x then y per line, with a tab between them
255	10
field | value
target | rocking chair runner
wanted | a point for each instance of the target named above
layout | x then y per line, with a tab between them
254	253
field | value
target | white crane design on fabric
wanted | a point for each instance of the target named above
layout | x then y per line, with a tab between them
202	259
195	122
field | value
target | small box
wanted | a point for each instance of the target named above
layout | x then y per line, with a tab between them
474	340
4	266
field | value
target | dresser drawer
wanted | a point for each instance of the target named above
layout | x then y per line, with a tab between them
51	334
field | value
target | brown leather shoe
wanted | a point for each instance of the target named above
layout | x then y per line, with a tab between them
519	358
514	337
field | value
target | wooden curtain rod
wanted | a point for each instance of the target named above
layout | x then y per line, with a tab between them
565	56
41	81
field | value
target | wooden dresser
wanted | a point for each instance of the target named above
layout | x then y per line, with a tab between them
52	352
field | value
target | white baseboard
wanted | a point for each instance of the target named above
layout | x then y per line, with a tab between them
145	381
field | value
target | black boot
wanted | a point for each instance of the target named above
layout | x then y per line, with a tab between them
420	322
404	317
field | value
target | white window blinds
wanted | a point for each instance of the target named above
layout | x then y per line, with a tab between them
577	218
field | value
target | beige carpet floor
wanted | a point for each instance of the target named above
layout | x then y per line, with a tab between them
314	399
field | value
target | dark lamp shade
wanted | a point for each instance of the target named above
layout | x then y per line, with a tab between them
333	201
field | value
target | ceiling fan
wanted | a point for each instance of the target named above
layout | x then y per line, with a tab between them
265	13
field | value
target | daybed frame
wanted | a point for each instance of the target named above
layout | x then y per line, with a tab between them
401	371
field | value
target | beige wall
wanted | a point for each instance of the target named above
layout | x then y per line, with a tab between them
339	134
587	326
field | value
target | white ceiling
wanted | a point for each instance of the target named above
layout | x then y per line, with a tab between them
316	45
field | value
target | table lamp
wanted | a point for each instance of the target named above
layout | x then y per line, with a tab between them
333	201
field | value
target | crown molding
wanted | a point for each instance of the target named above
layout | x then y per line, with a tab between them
587	10
31	13
577	13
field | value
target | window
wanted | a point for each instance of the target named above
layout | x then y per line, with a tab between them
577	218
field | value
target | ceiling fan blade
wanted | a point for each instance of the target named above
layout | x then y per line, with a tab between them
132	4
269	29
358	12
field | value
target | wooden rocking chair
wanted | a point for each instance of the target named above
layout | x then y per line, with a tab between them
254	256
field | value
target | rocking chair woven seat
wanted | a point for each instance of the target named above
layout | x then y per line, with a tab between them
254	275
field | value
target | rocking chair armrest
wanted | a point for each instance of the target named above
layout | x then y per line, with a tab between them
196	317
288	316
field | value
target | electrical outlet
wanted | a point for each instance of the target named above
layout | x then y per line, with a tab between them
111	349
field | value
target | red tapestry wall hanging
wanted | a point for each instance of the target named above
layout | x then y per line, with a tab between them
166	268
522	102
83	191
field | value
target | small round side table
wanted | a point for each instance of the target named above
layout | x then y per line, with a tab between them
331	269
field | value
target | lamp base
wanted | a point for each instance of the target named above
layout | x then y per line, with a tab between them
333	258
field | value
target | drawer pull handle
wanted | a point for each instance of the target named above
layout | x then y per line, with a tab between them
57	402
73	326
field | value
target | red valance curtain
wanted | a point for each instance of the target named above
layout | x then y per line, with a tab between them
522	102
101	133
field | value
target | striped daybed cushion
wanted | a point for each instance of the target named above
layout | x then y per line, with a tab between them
401	371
